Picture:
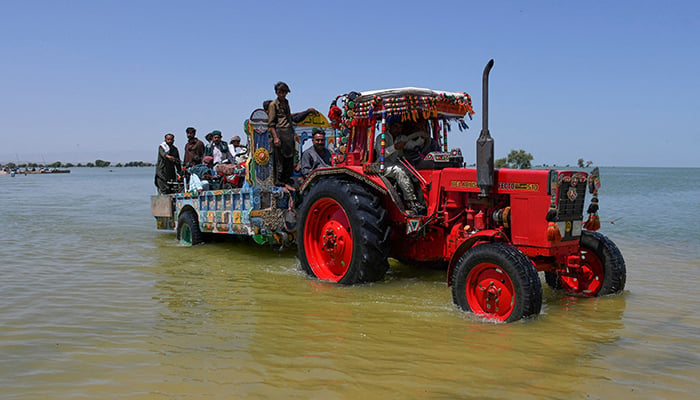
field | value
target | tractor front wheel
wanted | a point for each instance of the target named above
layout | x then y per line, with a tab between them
497	281
602	270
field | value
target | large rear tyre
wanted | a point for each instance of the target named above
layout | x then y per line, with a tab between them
602	269
188	232
344	233
497	281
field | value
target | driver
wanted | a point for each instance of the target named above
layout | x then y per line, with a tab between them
393	150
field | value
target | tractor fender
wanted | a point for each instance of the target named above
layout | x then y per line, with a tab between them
485	236
374	181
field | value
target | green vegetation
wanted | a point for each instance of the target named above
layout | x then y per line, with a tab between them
584	164
517	159
58	164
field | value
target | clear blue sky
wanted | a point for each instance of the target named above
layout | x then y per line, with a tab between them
614	82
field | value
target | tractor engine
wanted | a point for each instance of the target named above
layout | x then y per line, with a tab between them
539	211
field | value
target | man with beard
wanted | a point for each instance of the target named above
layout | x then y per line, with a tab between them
240	151
219	150
317	156
168	164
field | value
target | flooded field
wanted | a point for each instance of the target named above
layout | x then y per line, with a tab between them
98	304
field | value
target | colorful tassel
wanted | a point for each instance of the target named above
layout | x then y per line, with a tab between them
553	234
593	223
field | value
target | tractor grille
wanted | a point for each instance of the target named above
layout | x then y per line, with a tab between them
572	196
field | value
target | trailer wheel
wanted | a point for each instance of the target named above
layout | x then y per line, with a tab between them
344	233
188	232
497	281
602	271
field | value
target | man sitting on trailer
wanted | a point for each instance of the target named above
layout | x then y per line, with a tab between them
240	151
204	171
219	150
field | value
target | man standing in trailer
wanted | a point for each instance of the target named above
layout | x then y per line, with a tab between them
168	164
279	124
193	147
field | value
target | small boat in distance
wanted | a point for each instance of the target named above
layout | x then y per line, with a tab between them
53	171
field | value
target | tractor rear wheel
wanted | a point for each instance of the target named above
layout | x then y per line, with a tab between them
497	281
188	232
344	233
602	270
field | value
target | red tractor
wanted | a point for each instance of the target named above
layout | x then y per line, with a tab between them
493	229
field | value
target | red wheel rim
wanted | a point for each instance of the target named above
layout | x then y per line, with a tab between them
328	240
490	291
588	279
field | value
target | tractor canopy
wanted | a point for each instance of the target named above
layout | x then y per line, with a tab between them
364	118
408	103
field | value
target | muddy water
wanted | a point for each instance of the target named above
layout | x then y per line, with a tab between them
97	304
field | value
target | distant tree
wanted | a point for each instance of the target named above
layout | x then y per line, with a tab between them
583	163
55	165
102	163
11	165
79	165
90	165
138	164
119	165
68	165
517	159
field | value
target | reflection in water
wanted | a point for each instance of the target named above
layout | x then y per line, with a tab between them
248	321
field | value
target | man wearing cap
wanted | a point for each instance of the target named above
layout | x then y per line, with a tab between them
194	147
317	156
204	171
240	152
168	164
219	150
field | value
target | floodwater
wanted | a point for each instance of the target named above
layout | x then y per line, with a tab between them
98	304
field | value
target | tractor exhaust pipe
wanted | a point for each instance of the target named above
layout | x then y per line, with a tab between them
484	145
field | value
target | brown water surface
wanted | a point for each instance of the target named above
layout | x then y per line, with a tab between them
97	304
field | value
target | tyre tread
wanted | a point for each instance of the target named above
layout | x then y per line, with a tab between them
518	266
364	210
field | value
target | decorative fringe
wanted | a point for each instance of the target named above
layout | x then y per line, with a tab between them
593	223
553	234
594	206
335	115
